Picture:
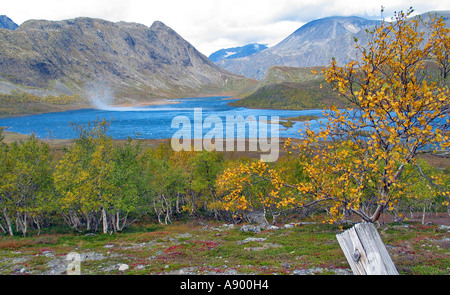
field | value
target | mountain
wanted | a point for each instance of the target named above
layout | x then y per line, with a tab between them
129	60
7	23
237	52
314	44
285	87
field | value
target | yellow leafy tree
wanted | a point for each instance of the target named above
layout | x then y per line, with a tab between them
83	177
246	186
399	107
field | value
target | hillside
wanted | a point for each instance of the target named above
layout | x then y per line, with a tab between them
127	60
292	88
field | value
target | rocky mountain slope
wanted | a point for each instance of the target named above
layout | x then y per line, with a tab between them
237	52
314	44
127	59
7	23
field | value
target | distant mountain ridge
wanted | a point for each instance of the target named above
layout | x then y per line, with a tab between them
7	23
130	59
314	44
237	52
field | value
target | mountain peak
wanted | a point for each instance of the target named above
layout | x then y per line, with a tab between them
313	44
159	25
327	28
237	52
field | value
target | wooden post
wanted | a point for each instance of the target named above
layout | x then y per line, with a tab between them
365	251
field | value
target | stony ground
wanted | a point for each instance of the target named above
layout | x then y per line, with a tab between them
302	248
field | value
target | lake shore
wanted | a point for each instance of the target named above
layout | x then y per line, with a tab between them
146	103
10	137
126	103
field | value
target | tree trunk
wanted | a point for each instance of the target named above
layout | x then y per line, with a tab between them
88	222
119	228
423	214
8	222
104	221
22	223
2	228
36	221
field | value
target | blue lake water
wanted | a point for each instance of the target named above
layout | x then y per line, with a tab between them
150	122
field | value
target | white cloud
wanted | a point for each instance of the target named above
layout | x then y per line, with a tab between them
214	24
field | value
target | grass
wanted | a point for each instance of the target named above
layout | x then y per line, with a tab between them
200	249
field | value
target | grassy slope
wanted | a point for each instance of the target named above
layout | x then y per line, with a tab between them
292	88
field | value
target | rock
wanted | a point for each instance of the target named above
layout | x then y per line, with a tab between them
265	246
341	271
272	227
57	266
228	225
248	240
230	272
250	228
92	256
185	235
444	227
300	272
123	267
257	217
319	270
289	225
48	254
311	271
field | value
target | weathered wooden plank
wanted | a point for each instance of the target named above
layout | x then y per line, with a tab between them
380	261
347	247
365	251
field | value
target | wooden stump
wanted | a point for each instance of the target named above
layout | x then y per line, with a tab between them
365	251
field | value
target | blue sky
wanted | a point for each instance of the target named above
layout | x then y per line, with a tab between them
211	25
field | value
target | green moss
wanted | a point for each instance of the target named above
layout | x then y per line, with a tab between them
427	270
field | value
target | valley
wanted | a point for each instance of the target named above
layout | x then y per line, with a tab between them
112	149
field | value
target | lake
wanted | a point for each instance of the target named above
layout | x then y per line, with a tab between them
151	122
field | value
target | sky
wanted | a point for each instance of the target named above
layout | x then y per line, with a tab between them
210	25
